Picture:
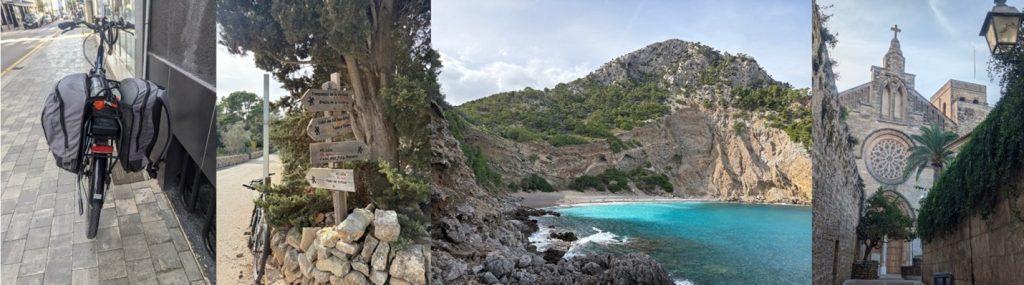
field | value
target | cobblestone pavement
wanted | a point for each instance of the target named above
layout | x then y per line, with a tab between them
43	238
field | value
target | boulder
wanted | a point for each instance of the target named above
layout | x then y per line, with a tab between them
291	260
499	266
566	236
355	278
361	268
553	255
409	265
347	248
525	260
334	265
369	244
379	261
354	226
489	278
592	268
385	225
379	277
308	235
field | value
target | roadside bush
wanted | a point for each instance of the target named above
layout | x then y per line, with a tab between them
564	140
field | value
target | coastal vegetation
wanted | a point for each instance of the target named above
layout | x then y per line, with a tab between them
883	219
615	180
575	113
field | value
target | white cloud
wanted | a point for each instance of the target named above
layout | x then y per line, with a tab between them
461	81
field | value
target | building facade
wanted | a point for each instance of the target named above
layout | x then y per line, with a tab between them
882	115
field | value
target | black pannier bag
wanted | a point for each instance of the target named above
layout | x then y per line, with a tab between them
62	118
143	103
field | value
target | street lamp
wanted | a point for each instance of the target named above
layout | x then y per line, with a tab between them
1001	27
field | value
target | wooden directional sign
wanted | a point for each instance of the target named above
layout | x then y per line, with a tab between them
332	179
320	153
319	100
323	128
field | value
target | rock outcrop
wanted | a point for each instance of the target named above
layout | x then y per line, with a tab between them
349	253
481	237
697	144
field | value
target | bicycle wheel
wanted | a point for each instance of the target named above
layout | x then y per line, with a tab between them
97	179
260	253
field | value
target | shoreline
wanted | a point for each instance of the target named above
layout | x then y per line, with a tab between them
568	198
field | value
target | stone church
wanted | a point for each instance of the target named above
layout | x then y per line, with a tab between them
882	115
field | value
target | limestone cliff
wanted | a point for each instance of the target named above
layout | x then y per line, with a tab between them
704	143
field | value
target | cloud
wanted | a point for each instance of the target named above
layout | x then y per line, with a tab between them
463	82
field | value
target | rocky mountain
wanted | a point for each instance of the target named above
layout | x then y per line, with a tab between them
715	125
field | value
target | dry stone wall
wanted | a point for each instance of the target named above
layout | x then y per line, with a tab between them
361	250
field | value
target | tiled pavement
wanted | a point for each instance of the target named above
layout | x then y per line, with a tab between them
43	238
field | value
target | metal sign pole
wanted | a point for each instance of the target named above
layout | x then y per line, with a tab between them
266	129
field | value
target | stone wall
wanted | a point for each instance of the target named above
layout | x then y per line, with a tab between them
360	250
837	187
231	160
993	247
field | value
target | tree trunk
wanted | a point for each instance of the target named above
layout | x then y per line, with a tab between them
372	126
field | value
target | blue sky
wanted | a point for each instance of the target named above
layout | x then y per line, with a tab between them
494	46
938	40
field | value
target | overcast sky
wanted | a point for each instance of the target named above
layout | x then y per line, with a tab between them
938	40
493	46
239	73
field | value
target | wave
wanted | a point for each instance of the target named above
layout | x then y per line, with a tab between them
601	237
683	282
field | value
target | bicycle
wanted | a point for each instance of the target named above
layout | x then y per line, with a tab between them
259	237
102	127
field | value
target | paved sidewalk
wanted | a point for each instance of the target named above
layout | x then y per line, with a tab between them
43	238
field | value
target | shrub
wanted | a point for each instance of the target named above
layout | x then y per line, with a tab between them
485	175
586	182
535	182
738	127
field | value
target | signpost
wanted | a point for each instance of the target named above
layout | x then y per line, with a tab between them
344	151
325	100
332	179
335	104
323	128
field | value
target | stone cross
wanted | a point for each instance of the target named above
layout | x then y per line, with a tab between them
895	30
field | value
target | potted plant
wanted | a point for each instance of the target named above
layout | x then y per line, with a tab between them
882	219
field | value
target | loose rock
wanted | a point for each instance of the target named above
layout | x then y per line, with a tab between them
380	257
409	265
385	225
308	235
354	226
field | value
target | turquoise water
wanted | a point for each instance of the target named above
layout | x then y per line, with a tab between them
700	242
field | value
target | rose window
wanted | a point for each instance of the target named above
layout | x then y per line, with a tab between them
887	158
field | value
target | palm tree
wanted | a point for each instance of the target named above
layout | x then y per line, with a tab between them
931	150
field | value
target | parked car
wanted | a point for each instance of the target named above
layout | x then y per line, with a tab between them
31	21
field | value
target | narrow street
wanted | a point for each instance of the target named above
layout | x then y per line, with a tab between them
17	44
140	239
234	208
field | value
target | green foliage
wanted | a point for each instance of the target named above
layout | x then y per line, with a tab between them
983	170
408	196
239	122
485	175
883	218
520	134
786	109
294	203
235	139
931	149
535	182
407	106
614	180
569	113
738	127
564	140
